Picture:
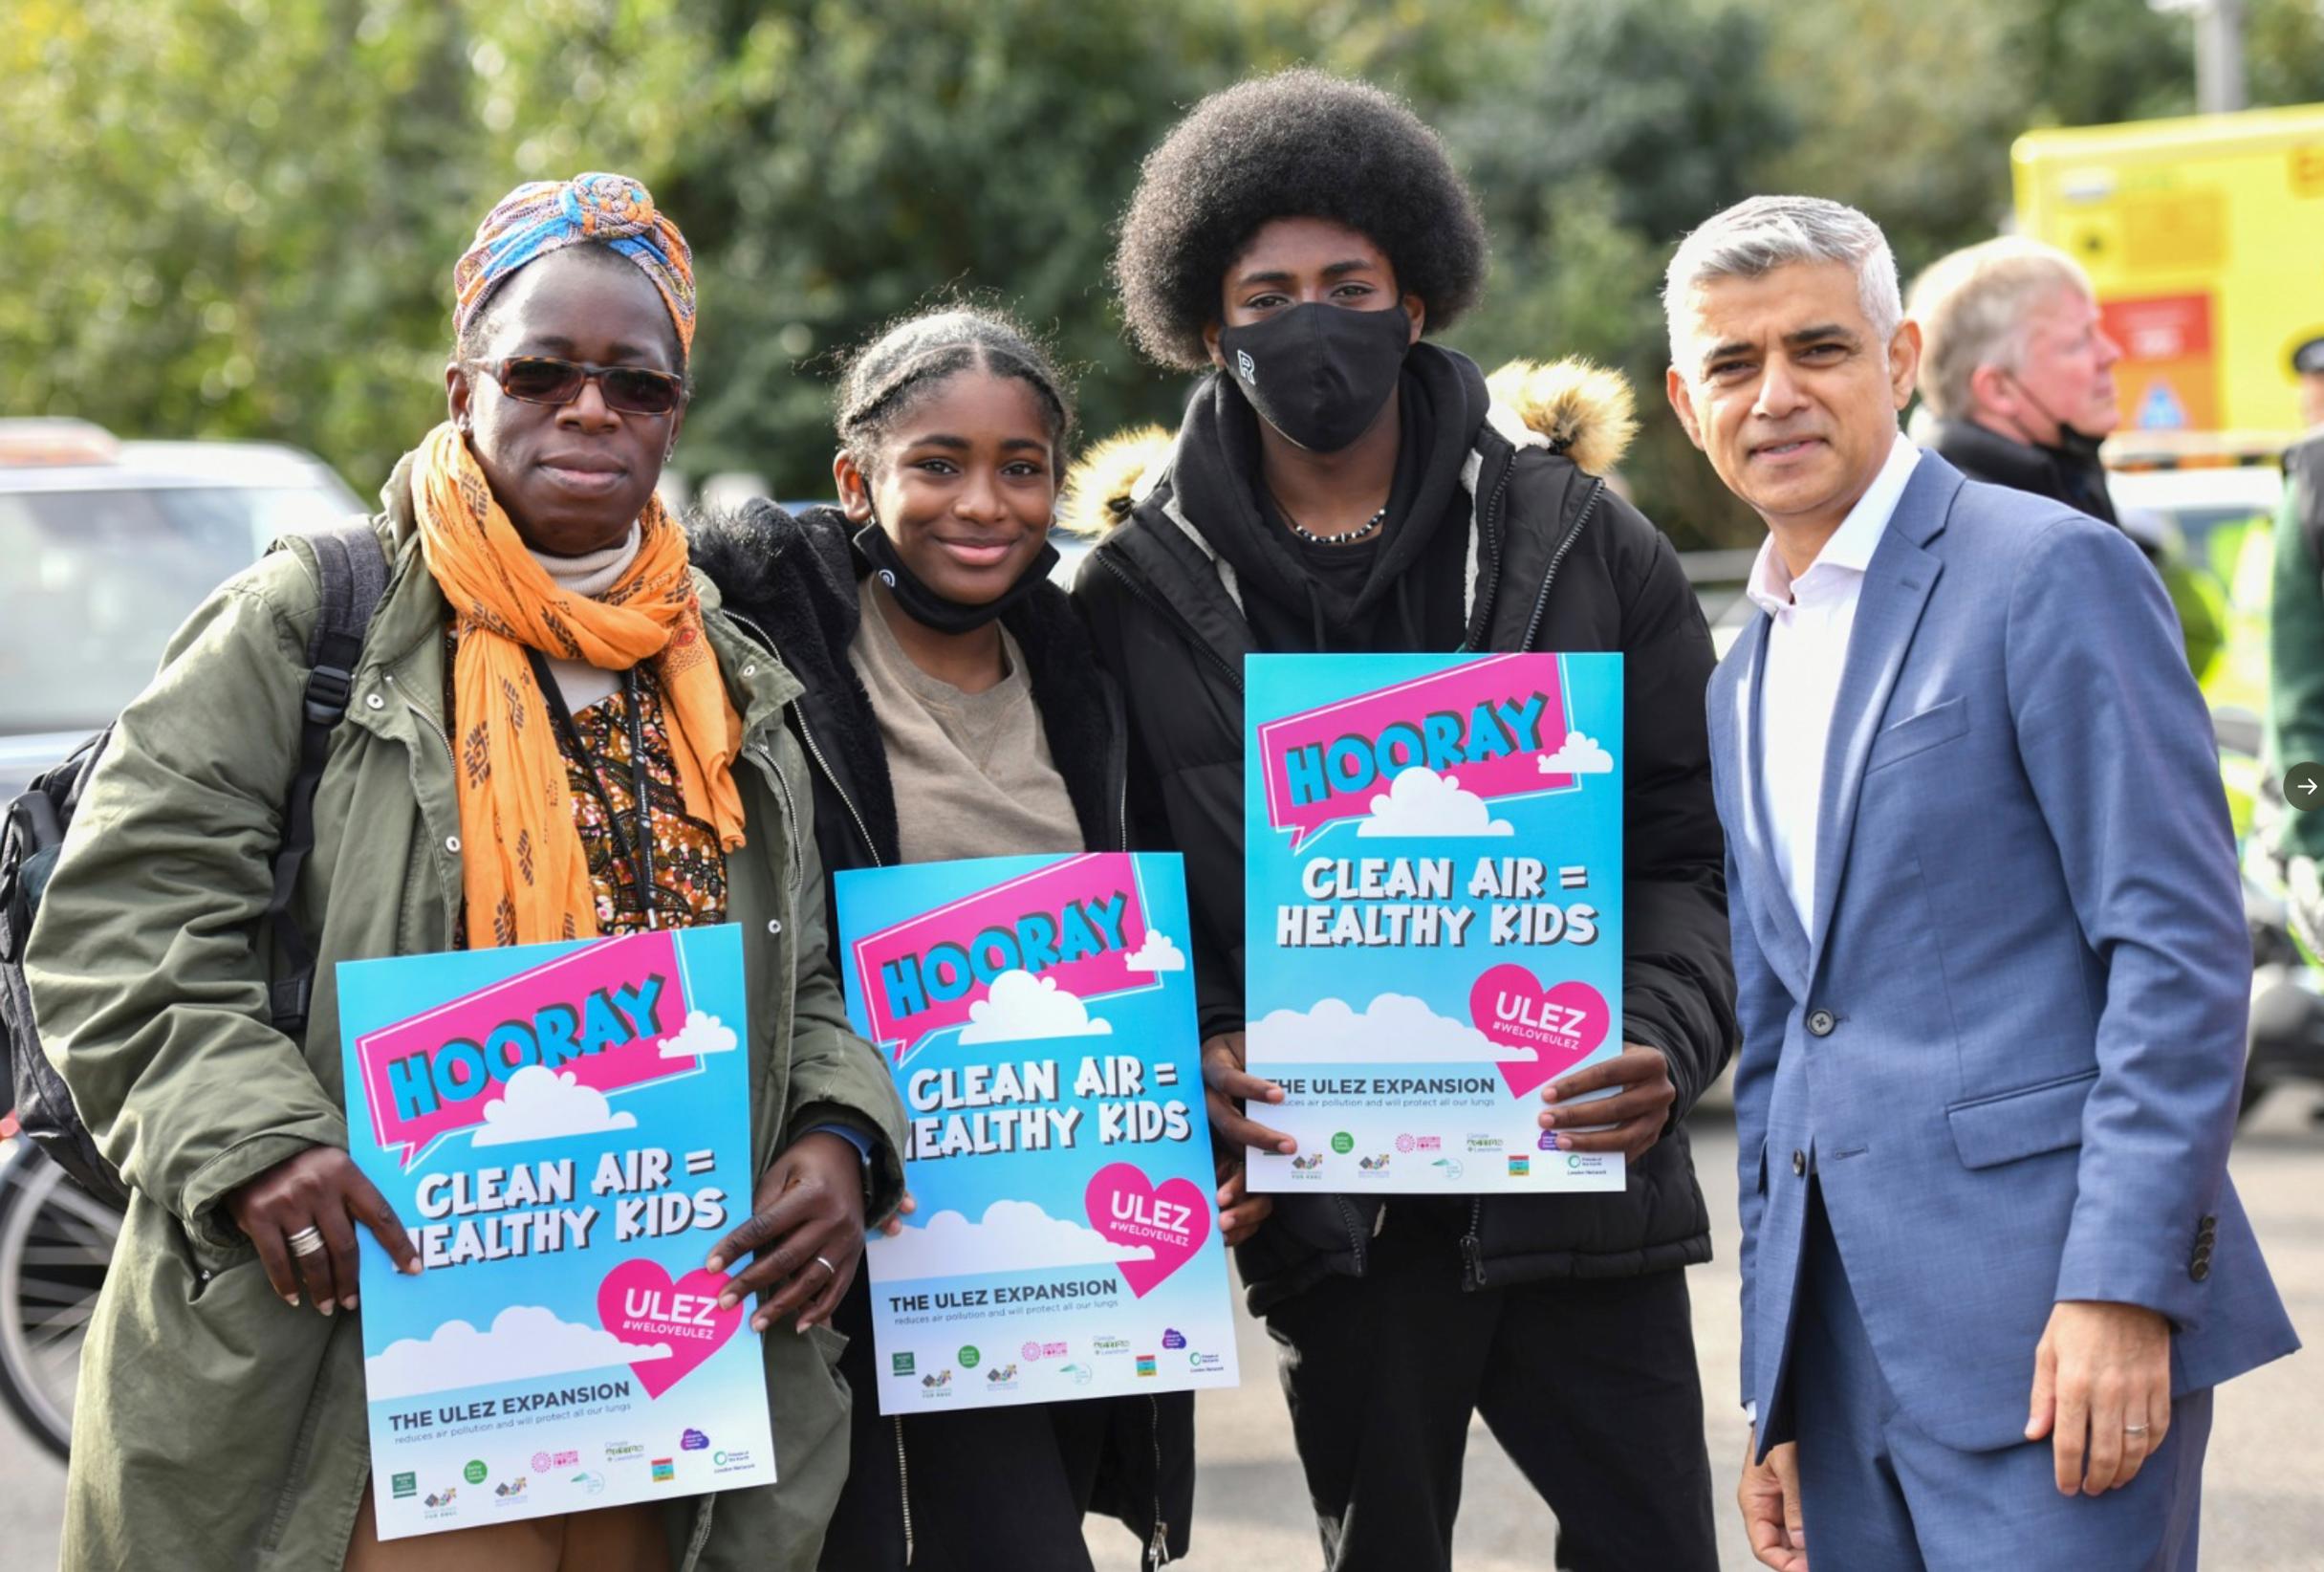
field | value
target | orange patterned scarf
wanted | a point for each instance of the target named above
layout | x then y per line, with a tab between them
522	868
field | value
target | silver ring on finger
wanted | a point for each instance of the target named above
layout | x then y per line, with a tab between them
2134	1429
827	1266
307	1241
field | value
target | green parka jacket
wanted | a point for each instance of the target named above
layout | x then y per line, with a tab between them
217	1427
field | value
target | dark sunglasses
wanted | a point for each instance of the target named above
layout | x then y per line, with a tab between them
538	379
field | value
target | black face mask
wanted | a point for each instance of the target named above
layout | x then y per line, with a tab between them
1318	373
924	606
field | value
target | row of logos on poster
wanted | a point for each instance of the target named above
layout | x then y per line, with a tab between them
937	1384
561	1473
1429	1152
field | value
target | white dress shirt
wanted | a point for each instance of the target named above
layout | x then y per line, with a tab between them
1811	617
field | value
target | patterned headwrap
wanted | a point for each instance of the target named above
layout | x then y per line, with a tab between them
542	216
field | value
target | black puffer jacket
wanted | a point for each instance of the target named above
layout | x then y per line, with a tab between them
1553	561
792	581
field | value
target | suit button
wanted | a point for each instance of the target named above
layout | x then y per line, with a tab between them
2200	1270
1799	1164
1820	1023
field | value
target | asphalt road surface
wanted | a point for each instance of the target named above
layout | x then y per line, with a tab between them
2264	1496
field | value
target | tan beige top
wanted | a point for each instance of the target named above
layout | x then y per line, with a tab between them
971	771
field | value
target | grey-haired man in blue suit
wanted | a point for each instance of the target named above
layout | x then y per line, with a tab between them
1991	964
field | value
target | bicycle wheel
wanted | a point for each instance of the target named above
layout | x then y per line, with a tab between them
55	1242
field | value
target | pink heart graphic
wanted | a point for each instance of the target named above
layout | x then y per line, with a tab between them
638	1303
1562	1025
1171	1219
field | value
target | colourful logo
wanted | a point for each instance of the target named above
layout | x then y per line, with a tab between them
1343	1142
1549	1140
1170	1220
1145	1365
638	1303
621	1451
565	1459
1080	1373
1449	1167
512	1490
406	1484
1075	925
1173	1337
593	1020
442	1500
900	1364
1404	1142
968	1355
666	1469
692	1441
1520	1167
591	1483
541	1462
1484	727
475	1473
1310	1162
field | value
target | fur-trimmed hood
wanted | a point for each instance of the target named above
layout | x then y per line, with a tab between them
1582	411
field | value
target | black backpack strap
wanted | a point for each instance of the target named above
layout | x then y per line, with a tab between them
352	573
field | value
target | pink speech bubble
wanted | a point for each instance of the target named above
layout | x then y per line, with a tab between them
1172	1219
1562	1025
638	1303
1488	721
599	1014
1075	923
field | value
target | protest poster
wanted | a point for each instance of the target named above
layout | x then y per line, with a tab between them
1039	1016
1433	917
565	1132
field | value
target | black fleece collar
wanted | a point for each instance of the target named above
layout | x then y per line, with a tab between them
794	579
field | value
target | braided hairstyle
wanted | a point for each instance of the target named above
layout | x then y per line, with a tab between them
883	381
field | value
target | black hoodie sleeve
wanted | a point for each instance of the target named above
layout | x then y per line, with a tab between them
1677	975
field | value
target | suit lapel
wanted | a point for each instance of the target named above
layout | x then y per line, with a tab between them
1783	939
1896	590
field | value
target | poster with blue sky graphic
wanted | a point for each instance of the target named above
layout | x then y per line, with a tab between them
1433	914
1039	1016
565	1132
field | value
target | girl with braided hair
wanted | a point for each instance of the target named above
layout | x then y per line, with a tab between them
954	708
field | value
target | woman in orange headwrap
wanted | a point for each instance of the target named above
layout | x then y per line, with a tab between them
551	736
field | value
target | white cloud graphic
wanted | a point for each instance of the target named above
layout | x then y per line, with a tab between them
1577	755
701	1033
1395	1028
1020	1005
1159	954
539	1103
525	1340
1014	1235
1420	802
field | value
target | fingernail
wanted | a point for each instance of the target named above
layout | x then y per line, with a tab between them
1564	1142
348	1301
803	1324
728	1301
1549	1094
326	1306
412	1267
1549	1121
758	1324
716	1263
290	1300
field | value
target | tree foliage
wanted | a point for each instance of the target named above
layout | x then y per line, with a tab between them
239	217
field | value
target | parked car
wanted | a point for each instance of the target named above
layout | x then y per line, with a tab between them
105	546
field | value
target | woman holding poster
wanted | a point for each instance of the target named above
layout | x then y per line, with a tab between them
945	675
1341	485
551	735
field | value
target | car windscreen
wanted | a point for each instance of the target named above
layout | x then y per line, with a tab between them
93	583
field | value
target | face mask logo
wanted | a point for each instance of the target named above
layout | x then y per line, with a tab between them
1330	369
930	610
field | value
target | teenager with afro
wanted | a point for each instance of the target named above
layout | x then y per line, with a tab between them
1339	483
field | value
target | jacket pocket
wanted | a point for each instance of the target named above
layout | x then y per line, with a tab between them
2008	1125
1763	1167
1940	723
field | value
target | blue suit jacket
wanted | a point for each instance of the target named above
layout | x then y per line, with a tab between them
2012	1044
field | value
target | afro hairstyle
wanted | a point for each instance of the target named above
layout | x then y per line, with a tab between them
1296	145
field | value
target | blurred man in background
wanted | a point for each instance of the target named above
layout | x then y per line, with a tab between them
2017	370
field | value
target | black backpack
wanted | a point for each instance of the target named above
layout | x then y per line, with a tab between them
354	574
